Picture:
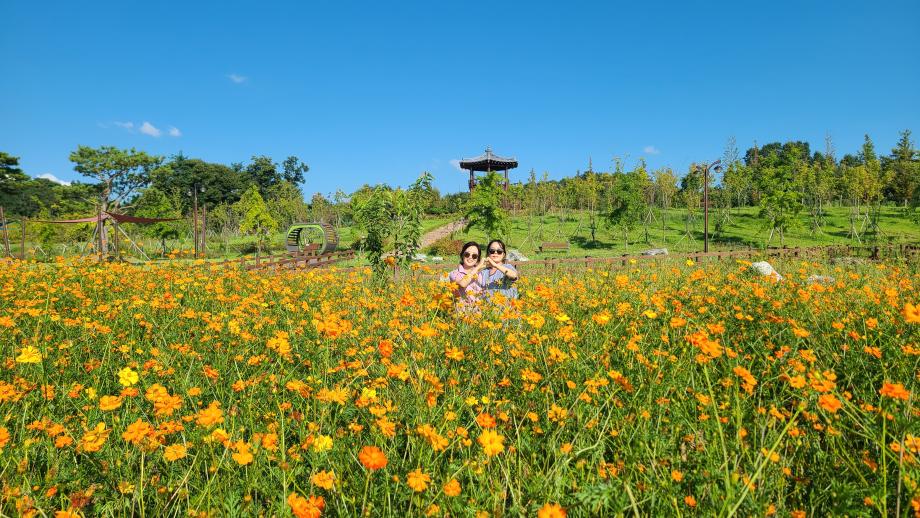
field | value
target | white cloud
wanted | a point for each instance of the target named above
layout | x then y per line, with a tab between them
55	179
124	125
456	164
149	129
236	78
174	132
651	150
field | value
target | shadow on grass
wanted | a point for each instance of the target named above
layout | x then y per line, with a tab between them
588	244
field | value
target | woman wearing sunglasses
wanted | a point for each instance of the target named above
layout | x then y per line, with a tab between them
499	276
467	275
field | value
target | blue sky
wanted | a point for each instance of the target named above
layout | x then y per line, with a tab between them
368	92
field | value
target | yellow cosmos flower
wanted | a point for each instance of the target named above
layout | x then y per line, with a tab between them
127	377
29	354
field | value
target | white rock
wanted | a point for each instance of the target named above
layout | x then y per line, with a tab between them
765	268
656	251
820	279
516	255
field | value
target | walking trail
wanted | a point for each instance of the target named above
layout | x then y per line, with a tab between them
441	232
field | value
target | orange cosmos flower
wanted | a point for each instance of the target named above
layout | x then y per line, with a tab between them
829	403
324	479
175	452
137	431
492	442
107	403
372	458
385	348
452	488
894	391
485	420
551	511
306	508
911	313
211	416
690	501
93	440
418	480
4	437
243	455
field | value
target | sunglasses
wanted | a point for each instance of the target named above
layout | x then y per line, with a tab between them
470	255
495	251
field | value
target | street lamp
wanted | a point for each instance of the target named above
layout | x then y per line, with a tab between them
717	167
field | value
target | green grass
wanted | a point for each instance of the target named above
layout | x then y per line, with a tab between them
743	230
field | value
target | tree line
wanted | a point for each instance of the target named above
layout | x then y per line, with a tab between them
787	181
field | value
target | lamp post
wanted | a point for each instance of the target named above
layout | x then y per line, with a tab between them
717	167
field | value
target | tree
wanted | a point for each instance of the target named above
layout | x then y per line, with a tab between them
181	175
627	205
263	172
484	210
255	219
294	170
286	204
12	181
665	191
120	173
391	217
774	174
903	168
153	203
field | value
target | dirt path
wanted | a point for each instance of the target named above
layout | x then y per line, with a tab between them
440	232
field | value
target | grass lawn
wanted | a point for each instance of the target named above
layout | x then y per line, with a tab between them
743	229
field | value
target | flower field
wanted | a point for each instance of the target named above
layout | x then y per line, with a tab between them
676	389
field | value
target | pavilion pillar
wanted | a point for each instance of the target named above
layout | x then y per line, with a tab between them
506	179
472	180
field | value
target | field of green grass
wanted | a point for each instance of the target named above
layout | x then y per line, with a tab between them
740	229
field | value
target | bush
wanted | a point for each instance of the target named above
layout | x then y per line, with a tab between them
445	247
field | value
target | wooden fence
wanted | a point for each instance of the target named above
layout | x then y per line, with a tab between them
752	254
307	258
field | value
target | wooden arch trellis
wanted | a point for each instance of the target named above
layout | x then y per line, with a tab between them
97	237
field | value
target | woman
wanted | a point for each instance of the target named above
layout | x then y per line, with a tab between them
466	276
499	276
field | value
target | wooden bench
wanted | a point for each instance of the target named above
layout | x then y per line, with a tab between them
554	247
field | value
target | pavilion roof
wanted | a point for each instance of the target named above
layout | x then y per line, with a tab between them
488	161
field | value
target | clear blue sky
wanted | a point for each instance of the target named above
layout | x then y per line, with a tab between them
366	92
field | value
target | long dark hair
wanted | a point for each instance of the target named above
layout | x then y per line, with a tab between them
504	248
467	245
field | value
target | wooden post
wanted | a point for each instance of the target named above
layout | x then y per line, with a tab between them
117	251
204	229
6	235
99	233
22	251
195	217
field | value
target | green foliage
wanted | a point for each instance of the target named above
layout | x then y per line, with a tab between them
294	170
120	172
775	177
484	211
392	217
628	202
153	203
255	218
178	177
285	202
